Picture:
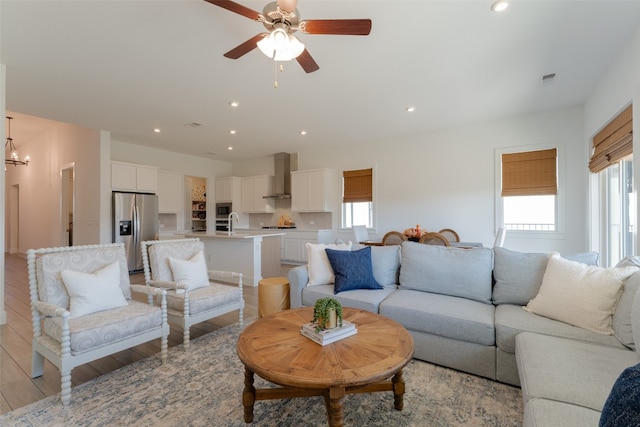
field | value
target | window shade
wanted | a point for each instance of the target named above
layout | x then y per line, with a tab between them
358	186
531	173
614	142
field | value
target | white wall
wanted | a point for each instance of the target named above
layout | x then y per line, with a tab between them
3	83
58	145
619	87
445	179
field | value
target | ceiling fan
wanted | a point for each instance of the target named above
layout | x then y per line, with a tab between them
282	19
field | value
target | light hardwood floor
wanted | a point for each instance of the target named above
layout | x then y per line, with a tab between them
18	389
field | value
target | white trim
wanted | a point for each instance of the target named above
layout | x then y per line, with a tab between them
561	210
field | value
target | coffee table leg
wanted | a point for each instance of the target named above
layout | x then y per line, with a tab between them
248	395
398	390
334	406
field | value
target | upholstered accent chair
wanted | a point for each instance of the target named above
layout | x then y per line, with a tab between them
179	266
82	308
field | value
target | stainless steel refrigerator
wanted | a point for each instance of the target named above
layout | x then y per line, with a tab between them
135	219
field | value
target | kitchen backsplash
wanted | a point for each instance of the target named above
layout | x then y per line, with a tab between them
303	221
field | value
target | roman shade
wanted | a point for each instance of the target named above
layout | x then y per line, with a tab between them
530	173
614	142
357	186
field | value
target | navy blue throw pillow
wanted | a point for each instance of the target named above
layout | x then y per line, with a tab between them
622	407
353	269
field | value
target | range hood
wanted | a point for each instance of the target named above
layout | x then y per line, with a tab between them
282	177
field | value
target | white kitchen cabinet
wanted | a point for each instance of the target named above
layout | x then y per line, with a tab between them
253	190
295	243
131	177
311	190
170	192
224	189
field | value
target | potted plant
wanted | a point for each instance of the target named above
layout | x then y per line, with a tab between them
327	314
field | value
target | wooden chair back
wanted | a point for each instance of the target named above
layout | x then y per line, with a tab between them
434	238
393	238
450	234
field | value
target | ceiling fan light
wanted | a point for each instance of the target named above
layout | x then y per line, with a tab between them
267	47
296	47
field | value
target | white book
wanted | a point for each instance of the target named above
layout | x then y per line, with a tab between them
327	333
330	340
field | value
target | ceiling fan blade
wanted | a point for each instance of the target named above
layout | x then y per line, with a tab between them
288	5
346	27
237	8
307	63
245	47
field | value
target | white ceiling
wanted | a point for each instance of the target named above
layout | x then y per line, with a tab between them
131	66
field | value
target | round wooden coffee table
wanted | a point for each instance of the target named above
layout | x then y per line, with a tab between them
370	361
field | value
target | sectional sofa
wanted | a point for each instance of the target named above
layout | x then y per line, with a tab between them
465	309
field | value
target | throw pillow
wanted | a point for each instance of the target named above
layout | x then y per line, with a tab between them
579	294
352	269
622	407
386	264
518	275
192	272
320	271
93	292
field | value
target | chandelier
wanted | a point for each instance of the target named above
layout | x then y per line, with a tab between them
14	158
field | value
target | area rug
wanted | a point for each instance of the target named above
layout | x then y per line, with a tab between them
203	387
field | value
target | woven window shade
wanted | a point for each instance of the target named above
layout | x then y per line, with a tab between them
358	186
613	143
532	173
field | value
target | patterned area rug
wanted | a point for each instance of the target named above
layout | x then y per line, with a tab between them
203	387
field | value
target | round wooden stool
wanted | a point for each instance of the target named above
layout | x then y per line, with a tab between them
273	295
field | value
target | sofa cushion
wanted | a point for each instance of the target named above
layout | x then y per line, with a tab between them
320	271
579	294
385	261
352	269
622	407
510	320
518	275
546	413
364	299
622	317
443	315
635	320
567	370
457	272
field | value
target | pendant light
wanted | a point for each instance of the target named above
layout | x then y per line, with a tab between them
14	158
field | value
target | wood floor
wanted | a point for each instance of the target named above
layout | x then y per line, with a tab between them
18	389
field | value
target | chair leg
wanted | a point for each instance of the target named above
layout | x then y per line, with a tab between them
37	363
186	338
65	385
241	316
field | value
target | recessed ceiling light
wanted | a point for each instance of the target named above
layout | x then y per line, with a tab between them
232	131
410	109
229	148
156	130
303	132
499	6
233	104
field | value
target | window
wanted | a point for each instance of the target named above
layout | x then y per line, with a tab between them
357	198
612	160
529	186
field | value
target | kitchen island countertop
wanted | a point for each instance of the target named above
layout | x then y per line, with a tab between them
240	234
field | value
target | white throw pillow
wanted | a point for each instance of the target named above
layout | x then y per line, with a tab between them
579	294
93	292
320	271
191	272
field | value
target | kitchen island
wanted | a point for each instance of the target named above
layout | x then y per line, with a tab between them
255	254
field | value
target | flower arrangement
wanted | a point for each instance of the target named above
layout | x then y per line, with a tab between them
327	313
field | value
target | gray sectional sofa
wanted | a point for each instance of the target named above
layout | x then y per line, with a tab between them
464	309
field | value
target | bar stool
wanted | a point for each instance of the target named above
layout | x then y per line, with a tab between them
273	295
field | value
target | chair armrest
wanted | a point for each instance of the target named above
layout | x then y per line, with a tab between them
227	276
298	279
147	290
166	284
50	310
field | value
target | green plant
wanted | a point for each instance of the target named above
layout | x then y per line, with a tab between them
321	312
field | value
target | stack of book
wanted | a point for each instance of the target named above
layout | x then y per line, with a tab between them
328	336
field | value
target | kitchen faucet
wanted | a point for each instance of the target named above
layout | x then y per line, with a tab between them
229	227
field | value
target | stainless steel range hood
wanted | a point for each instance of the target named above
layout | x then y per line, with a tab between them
282	177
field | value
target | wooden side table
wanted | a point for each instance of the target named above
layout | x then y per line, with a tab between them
273	295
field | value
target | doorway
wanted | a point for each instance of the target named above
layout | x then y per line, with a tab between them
67	204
